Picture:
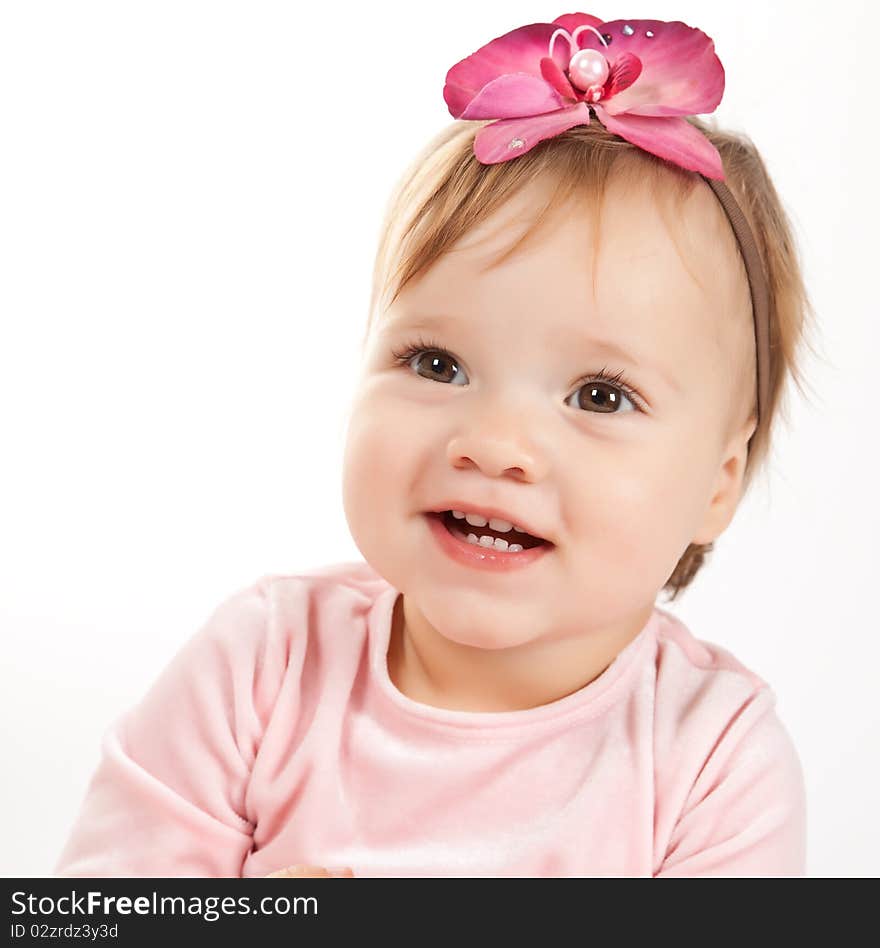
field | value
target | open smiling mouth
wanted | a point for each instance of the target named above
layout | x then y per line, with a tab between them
513	541
486	548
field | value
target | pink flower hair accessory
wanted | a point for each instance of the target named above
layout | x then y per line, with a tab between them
639	78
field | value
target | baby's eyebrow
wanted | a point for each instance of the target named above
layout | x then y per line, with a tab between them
567	341
578	342
419	321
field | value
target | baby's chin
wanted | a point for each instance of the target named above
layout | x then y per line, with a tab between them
480	621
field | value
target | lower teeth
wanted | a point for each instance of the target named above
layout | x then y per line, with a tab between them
489	543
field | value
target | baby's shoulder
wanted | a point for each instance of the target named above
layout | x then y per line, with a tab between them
714	719
701	688
331	586
684	659
276	603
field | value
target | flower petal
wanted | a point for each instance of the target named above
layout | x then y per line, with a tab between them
519	51
492	142
681	74
571	21
557	78
513	96
626	69
669	137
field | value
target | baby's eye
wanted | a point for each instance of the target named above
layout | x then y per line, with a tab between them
602	392
439	363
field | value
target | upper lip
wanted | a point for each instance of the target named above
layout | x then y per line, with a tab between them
488	511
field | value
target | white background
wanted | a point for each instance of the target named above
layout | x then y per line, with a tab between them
190	197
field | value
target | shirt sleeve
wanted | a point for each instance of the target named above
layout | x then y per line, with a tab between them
169	796
745	814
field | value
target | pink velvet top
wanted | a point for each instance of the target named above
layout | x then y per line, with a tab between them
276	736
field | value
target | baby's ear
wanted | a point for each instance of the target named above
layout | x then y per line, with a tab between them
748	429
727	490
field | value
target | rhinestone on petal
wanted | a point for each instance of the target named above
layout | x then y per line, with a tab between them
628	30
516	143
649	34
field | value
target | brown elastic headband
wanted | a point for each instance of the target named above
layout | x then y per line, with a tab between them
757	285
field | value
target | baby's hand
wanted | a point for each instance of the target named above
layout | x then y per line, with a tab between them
310	872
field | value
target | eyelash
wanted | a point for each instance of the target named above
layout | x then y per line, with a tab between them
408	352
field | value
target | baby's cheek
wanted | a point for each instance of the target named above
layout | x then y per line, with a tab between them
631	530
379	495
375	454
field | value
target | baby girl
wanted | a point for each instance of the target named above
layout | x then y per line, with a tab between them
493	691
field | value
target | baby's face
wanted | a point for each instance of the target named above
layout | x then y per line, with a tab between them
502	417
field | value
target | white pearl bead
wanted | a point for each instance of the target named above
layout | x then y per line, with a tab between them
588	68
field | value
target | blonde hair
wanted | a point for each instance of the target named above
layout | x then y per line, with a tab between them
446	191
